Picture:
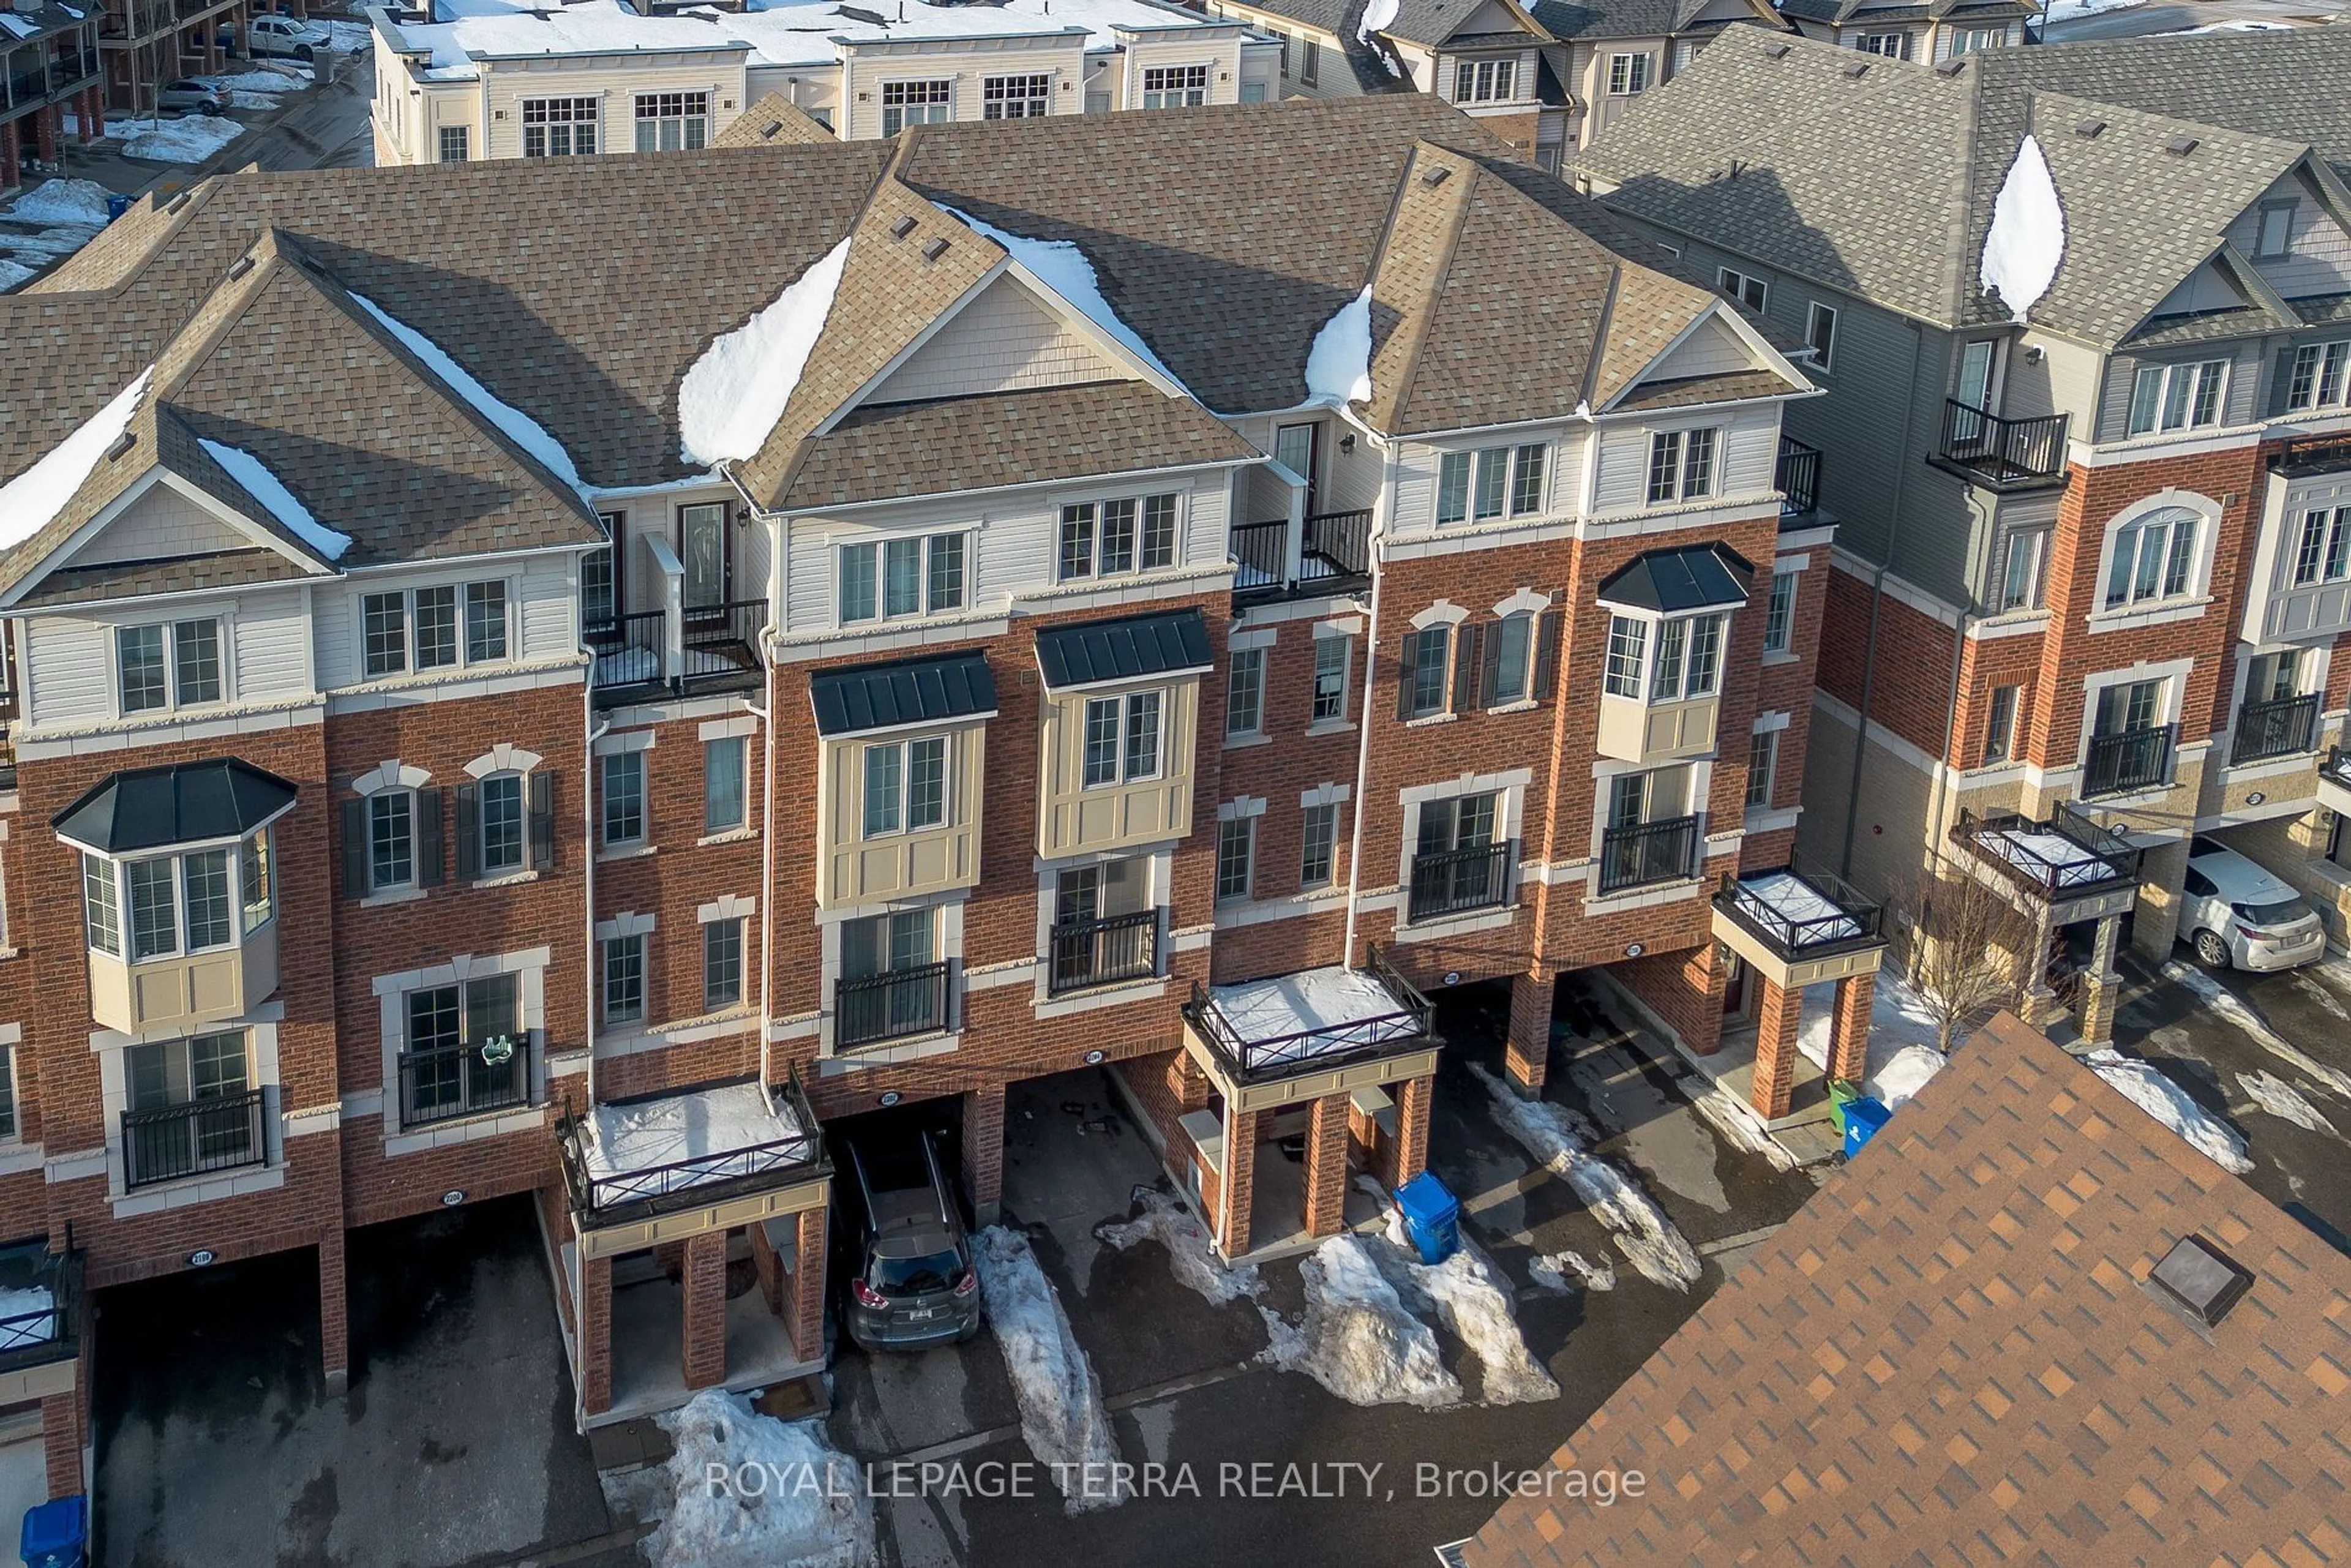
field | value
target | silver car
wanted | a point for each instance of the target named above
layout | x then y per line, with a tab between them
2233	912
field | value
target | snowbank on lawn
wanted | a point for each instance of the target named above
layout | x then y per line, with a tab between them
191	139
12	274
2025	243
1062	1415
1902	1054
2281	1098
1356	1339
62	201
788	1497
271	492
1191	1254
2145	1087
1473	1300
1643	1232
732	395
1339	364
1550	1270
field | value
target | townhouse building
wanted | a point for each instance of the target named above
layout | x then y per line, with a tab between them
48	63
464	79
1930	33
2083	428
481	728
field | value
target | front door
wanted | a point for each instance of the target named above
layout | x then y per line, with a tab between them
1295	448
702	550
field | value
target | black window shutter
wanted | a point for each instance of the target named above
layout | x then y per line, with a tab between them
542	820
1466	660
2281	382
428	838
1489	669
1546	656
1406	657
469	831
355	848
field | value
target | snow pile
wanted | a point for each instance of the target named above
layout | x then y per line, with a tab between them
754	1492
2074	10
1902	1053
31	501
512	422
266	488
1062	1415
344	37
1550	1270
12	274
2168	1103
734	395
1062	267
1798	902
262	80
1190	1254
2217	998
1356	1339
1735	1120
708	1132
1378	16
47	244
62	201
1339	365
1473	1301
1643	1232
2279	1098
1903	1074
24	1303
1347	1008
2026	241
189	141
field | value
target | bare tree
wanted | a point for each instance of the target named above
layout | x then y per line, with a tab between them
1970	951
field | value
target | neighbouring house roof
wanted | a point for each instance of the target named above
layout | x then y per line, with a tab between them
185	803
905	691
1952	1353
771	119
1094	652
1597	19
1673	582
1864	13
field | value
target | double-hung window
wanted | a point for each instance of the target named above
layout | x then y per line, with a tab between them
1510	659
559	127
2323	549
1485	81
725	803
456	144
599	583
1331	658
1627	74
1236	856
1672	660
1121	738
1780	613
1892	46
391	839
1245	694
1318	845
1628	642
1682	464
1015	97
1427	672
173	666
624	799
892	579
2316	378
673	121
1762	766
1109	539
906	786
2178	397
1175	86
1819	332
905	103
2154	558
625	979
2021	557
722	965
1490	482
2000	724
502	823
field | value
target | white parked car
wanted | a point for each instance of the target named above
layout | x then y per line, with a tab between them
2236	913
285	36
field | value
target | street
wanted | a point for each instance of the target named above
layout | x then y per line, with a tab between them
2180	16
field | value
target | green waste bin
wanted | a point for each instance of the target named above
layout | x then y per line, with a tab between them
1842	1095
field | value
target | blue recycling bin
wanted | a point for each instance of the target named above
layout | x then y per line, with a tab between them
56	1533
1432	1217
116	205
1862	1120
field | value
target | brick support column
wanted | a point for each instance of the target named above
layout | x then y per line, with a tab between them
1326	1167
705	1310
769	1266
1526	1055
1414	1097
334	1313
1187	1084
61	1439
982	1151
46	122
805	1317
595	1312
1237	1189
1849	1027
1776	1017
9	175
90	115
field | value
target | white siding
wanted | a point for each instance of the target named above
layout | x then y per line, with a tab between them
334	634
271	642
161	525
550	605
1002	342
2319	258
1714	349
68	667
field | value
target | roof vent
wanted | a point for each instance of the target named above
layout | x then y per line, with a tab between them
176	203
2089	129
1856	69
1775	51
768	131
2200	1280
2180	146
1433	178
1951	67
935	249
242	266
902	228
122	443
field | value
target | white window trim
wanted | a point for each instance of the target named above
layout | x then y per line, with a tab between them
2172	672
878	541
946	934
262	1073
1813	310
1443	613
2179	606
529	967
726	907
1098	499
391	775
171	706
1158	893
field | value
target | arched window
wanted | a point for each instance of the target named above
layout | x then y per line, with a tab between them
2154	558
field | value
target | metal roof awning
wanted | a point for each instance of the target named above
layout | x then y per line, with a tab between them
1130	649
905	691
1676	582
186	803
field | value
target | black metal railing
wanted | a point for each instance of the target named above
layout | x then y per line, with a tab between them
1334	553
1453	882
1261	550
2129	760
2336	766
1797	925
1083	952
471	1080
1651	852
723	640
891	1006
628	649
36	1333
196	1138
1407	1025
1996	451
2063	857
799	1150
1797	478
1337	545
2286	727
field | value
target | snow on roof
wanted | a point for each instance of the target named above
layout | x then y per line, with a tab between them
732	395
1378	16
1060	266
1796	901
32	501
699	1125
2026	241
1312	1000
1339	365
18	25
2039	853
266	488
517	427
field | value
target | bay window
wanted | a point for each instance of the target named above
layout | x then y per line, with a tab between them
177	903
1122	740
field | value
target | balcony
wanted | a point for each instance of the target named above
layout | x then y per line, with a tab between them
1457	882
2067	861
200	1137
474	1079
1334	557
893	1006
1088	952
647	654
1313	1022
2287	727
2129	760
630	1162
1800	926
1798	479
1999	453
40	1320
2335	781
1647	854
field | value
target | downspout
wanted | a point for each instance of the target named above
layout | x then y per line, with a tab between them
776	560
596	729
1372	544
1876	603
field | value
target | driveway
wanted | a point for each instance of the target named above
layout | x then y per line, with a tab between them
455	1444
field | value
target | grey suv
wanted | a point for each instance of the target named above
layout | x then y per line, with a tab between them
914	1283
